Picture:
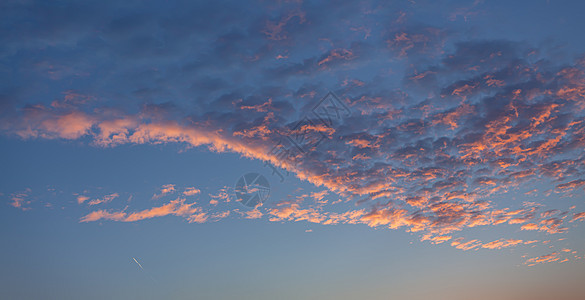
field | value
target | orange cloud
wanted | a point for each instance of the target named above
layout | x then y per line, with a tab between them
191	191
439	239
176	207
393	218
578	217
318	196
360	143
543	259
41	122
253	214
499	244
264	107
223	194
19	200
529	226
165	190
105	199
275	30
81	199
571	185
470	245
439	181
336	55
293	212
103	214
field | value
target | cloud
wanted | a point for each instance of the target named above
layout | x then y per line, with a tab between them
319	196
276	30
165	190
176	207
439	177
552	257
191	191
105	199
81	199
293	212
469	245
103	214
431	127
440	239
222	195
21	199
499	244
416	40
41	123
571	185
578	217
251	214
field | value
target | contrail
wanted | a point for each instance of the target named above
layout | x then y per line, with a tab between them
141	268
138	263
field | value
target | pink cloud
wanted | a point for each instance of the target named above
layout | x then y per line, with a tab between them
40	122
21	199
81	199
191	191
165	190
469	245
555	256
499	244
578	217
176	207
105	199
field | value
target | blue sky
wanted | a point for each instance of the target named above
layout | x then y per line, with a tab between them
439	149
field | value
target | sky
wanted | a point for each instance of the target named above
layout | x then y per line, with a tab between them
292	149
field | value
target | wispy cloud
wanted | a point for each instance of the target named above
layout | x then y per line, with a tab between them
165	190
191	191
176	207
21	199
82	198
499	244
104	199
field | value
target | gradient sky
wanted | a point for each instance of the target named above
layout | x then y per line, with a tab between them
439	149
